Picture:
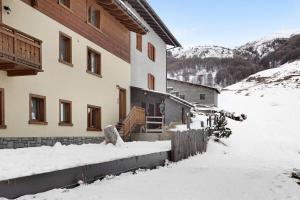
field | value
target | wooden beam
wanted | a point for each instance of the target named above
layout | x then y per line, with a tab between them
21	73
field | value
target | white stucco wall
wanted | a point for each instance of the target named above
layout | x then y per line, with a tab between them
141	65
59	81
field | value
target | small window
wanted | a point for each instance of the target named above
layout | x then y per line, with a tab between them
66	3
151	82
94	62
151	52
2	119
202	96
65	113
65	49
93	118
94	17
37	109
139	42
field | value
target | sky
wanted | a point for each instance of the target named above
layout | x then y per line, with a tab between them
228	23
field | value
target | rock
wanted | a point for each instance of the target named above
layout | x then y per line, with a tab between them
112	135
296	174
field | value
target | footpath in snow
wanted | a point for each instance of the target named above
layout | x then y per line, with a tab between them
255	165
28	161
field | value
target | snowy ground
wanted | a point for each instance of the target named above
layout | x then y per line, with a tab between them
23	162
255	165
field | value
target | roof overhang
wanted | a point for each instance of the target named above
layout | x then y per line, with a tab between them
124	15
195	84
154	21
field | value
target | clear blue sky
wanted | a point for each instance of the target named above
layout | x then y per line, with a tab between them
227	22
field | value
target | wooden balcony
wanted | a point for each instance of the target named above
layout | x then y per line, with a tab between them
20	54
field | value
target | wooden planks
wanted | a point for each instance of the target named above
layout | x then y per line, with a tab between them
113	36
188	143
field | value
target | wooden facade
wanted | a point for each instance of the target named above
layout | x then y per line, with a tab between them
112	36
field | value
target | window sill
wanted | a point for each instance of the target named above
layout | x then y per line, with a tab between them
37	122
65	124
94	129
65	7
65	62
94	27
94	74
3	126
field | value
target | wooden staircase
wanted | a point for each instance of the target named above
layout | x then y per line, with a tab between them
136	117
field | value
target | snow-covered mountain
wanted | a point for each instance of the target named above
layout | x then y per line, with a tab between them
219	66
203	52
286	76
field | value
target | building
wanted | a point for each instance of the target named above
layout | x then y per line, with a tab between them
148	59
194	93
65	70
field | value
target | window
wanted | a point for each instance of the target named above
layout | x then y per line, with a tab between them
37	109
93	118
202	96
151	51
94	62
94	17
139	42
65	49
2	121
66	3
151	82
65	113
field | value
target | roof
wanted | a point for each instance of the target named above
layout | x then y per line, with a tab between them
124	15
170	96
195	84
149	15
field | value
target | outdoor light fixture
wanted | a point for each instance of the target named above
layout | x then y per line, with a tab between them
7	9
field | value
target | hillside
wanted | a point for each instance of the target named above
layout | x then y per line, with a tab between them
220	66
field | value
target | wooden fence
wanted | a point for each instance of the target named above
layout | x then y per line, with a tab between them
188	143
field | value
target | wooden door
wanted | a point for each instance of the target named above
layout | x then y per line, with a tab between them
122	104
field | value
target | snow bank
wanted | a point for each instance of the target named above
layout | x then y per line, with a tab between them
28	161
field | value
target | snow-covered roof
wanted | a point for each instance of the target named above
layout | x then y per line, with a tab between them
170	96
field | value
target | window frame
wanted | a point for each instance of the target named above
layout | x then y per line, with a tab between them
2	109
69	63
139	42
61	123
202	95
34	121
99	121
151	81
98	9
68	7
151	51
99	62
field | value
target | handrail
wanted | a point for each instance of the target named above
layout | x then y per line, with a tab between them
135	117
20	47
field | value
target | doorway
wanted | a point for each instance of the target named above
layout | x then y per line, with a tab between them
122	104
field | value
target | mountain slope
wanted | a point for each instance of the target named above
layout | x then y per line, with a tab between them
220	66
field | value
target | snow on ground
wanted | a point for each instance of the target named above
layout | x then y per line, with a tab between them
255	164
28	161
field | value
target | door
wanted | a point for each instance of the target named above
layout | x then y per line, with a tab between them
122	104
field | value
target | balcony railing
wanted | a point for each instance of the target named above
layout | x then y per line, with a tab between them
20	54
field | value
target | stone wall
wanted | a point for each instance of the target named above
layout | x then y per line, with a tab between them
23	142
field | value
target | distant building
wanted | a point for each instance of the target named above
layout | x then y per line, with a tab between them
194	93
